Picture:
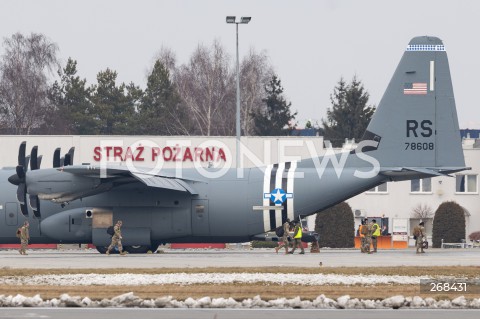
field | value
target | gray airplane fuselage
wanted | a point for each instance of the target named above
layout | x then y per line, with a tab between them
223	211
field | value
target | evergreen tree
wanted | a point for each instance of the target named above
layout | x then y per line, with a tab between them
276	118
114	106
336	226
160	110
72	112
349	114
448	224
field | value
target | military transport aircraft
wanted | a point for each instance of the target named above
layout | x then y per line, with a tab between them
413	134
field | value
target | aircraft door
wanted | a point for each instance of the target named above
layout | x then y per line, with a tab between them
200	223
101	220
11	214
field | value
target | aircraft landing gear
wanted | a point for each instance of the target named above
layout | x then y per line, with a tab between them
141	249
103	250
130	249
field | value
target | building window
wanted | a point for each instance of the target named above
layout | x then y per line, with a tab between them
466	184
379	189
423	185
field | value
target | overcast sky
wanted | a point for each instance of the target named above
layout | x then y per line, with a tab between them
311	44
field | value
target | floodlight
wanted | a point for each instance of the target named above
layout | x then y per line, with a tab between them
245	19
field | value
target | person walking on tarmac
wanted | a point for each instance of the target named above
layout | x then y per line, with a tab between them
297	238
286	229
375	234
419	233
24	235
367	231
117	239
362	231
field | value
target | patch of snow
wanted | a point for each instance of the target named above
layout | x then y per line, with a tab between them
321	302
207	278
394	302
460	302
417	302
342	301
131	300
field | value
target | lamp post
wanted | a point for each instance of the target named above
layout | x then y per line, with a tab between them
243	20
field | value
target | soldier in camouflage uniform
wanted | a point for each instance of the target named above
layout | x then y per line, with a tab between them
286	229
419	232
24	238
362	232
116	239
368	236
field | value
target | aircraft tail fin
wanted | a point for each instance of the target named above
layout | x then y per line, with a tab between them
415	124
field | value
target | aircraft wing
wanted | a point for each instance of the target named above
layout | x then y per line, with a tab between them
165	182
124	174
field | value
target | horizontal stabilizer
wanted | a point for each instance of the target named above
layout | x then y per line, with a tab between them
428	171
406	171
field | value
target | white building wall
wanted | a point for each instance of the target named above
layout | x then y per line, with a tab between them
258	151
399	201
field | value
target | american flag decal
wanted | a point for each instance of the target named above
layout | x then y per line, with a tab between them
415	88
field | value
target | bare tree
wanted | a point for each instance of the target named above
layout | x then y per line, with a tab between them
206	85
255	73
168	59
422	212
23	81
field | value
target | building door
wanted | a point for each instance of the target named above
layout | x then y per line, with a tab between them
200	225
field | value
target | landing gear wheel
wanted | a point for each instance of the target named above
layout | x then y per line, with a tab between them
154	248
136	249
102	249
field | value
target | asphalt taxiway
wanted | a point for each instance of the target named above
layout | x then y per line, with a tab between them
127	313
199	258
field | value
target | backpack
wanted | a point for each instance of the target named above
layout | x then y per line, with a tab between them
19	231
279	231
364	229
416	231
110	231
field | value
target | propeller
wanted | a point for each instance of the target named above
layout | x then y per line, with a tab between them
68	159
65	160
35	161
19	178
56	157
35	205
34	158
